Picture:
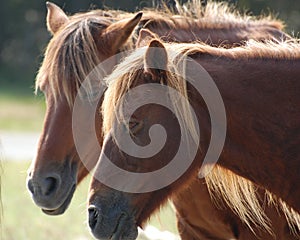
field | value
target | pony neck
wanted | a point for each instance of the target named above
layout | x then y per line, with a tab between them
262	111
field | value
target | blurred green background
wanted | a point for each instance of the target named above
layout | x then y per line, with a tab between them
23	38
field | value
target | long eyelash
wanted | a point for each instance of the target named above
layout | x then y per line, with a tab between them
135	126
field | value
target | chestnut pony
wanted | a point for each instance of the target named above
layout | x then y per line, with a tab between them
259	86
57	169
82	41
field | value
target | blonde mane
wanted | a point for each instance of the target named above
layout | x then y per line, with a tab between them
123	78
71	56
71	53
289	50
216	15
241	196
213	15
238	193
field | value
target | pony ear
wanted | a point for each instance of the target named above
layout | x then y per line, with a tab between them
156	59
117	33
145	36
56	17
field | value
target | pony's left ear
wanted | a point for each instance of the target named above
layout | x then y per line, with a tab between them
56	17
117	33
145	36
156	59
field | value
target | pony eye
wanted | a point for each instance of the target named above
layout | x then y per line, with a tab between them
135	126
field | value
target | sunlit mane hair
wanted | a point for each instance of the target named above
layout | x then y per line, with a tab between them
211	15
288	50
72	52
71	55
241	196
238	193
222	14
123	78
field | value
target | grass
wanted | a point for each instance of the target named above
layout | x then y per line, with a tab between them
22	220
21	112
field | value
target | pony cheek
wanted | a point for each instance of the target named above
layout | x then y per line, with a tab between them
142	206
82	173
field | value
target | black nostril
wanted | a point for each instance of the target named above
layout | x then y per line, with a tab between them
94	216
50	184
30	186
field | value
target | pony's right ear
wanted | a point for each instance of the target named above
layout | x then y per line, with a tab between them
156	60
145	36
117	33
56	17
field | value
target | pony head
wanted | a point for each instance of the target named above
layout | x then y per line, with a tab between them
79	43
124	194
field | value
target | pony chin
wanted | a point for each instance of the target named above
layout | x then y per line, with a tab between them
110	217
125	229
62	208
